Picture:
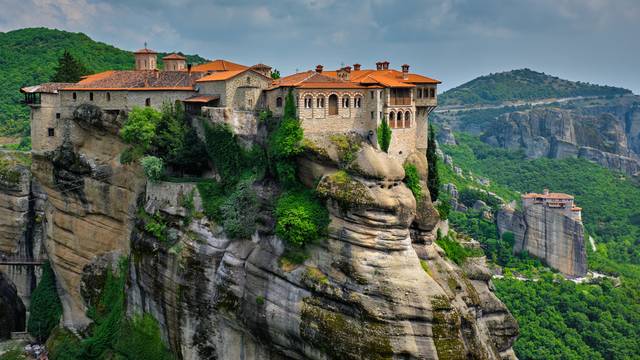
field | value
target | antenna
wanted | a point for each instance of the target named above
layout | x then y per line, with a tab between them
145	44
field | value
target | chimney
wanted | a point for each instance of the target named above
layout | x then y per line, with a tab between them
379	65
385	65
405	71
356	67
545	191
319	69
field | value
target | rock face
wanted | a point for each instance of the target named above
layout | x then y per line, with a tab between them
91	201
366	292
445	136
547	234
598	136
12	310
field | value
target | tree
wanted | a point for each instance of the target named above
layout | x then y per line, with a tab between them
384	135
69	69
433	179
153	167
45	309
140	128
275	74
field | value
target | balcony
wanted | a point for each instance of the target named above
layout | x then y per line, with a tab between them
399	97
32	99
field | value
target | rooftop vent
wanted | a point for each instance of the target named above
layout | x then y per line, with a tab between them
319	69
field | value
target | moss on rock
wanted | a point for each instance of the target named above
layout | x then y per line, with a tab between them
446	330
346	190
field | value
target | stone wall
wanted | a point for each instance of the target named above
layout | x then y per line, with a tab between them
243	91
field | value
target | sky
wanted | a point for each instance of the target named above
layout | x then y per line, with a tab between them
595	41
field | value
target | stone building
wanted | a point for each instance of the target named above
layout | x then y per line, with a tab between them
549	227
346	100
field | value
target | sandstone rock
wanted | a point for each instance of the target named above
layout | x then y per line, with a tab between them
445	136
12	311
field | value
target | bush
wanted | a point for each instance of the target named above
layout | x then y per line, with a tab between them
140	127
153	168
140	339
455	251
240	210
45	309
213	195
412	179
300	217
384	135
224	151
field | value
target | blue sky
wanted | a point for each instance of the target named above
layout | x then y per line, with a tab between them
452	40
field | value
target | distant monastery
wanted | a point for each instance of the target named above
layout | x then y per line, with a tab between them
348	99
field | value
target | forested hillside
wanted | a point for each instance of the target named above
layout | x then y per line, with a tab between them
521	85
29	56
559	319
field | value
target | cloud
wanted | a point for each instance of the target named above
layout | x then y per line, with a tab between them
449	39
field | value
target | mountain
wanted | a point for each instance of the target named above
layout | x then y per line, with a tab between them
29	56
521	85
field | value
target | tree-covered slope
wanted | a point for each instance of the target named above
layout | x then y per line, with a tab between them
521	85
29	56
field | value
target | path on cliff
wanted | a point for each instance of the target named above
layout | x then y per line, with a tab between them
462	108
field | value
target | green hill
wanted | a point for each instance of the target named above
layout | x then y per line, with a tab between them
522	84
29	56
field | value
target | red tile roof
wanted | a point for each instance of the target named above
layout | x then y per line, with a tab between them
557	196
145	51
202	98
218	65
138	80
226	75
174	56
315	80
51	88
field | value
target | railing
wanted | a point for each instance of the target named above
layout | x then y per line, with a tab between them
400	101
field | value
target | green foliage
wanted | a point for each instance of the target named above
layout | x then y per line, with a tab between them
240	210
454	250
444	207
30	56
384	135
412	179
63	345
275	74
17	353
224	151
8	174
153	168
433	178
69	69
301	217
286	140
213	195
469	196
140	339
522	84
562	320
45	308
140	128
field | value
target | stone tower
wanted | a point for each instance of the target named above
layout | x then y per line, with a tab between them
174	62
146	59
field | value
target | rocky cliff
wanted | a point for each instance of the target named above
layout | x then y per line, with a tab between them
362	293
547	234
376	288
608	134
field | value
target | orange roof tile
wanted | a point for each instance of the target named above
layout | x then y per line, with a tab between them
218	65
174	56
315	80
138	80
202	98
575	208
51	88
388	78
145	51
226	75
548	196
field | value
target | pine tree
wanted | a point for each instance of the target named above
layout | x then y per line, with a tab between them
69	69
433	180
45	309
384	135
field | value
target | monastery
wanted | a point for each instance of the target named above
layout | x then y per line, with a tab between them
343	100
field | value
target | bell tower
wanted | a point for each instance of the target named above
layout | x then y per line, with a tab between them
146	59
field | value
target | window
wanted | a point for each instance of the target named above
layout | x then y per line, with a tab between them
307	102
147	102
345	102
90	96
75	96
57	115
407	119
320	102
250	101
248	80
392	119
419	95
372	94
278	102
357	102
108	96
51	132
333	104
372	116
432	92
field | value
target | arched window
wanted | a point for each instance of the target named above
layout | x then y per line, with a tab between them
357	102
419	93
345	101
108	96
90	96
407	119
320	102
75	96
333	104
392	119
307	102
278	102
147	102
432	92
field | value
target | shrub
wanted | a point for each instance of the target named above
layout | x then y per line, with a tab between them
412	179
7	173
153	168
300	217
140	127
213	195
140	339
384	135
45	308
455	251
444	208
287	139
224	151
433	178
240	210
